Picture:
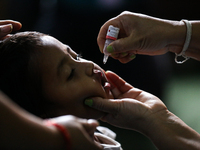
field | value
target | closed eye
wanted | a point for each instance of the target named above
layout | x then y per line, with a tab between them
71	75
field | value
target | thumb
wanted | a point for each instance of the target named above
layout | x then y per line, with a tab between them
121	45
90	126
105	105
5	29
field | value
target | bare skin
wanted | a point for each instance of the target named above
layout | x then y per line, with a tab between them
146	35
138	110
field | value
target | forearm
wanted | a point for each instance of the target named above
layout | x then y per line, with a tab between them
178	35
170	132
20	130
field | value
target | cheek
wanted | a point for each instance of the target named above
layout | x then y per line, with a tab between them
90	88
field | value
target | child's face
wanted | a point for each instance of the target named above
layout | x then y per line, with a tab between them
67	80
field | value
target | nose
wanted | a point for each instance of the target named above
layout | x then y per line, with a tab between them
87	67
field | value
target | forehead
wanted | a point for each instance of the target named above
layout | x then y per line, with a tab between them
50	41
52	48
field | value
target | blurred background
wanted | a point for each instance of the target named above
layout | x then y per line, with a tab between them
77	23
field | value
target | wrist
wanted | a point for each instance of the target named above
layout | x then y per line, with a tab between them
177	34
154	123
160	129
168	131
60	134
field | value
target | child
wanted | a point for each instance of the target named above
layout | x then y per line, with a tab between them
47	78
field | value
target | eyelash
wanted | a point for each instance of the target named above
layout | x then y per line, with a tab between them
78	56
72	72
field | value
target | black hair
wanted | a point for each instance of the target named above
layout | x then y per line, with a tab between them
19	70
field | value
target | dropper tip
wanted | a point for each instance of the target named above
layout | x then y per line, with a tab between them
105	58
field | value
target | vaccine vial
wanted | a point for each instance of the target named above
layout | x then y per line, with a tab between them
111	36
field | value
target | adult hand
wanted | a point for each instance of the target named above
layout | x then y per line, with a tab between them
81	132
132	109
138	110
7	26
26	131
142	34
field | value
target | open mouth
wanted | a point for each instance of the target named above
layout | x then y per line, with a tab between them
105	82
103	79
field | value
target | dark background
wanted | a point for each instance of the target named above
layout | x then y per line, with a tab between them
77	23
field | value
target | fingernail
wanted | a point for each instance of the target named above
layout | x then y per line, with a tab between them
114	54
88	102
107	71
109	49
124	54
6	28
132	56
92	121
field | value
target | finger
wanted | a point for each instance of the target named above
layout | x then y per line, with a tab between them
115	87
16	25
105	105
90	126
123	57
7	36
122	45
5	29
129	57
102	37
115	55
118	82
